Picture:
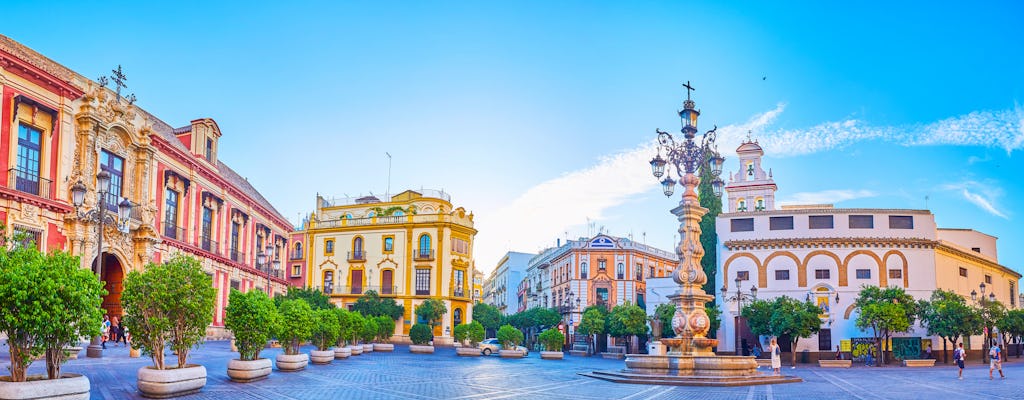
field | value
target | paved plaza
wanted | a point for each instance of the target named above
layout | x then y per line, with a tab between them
443	375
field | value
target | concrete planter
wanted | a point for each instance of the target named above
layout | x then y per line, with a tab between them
290	363
467	352
367	348
383	347
248	371
342	352
321	357
511	354
355	349
73	352
552	355
165	383
69	386
421	349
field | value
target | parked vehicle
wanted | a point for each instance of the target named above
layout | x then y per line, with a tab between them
491	346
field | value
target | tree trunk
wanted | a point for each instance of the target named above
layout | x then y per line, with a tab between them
53	361
158	358
17	364
792	349
945	350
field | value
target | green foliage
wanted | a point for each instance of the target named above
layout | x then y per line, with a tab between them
252	318
627	320
385	328
487	315
1012	325
372	305
948	316
708	235
314	297
552	339
476	333
47	302
172	301
356	322
431	310
664	313
296	324
344	318
420	334
885	311
714	318
593	322
782	316
758	315
460	332
509	336
369	331
536	317
325	329
991	312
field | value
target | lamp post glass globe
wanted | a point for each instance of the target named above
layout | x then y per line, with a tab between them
78	193
716	161
992	297
261	258
716	187
658	166
753	292
668	186
124	209
103	181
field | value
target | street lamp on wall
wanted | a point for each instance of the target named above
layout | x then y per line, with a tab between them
99	216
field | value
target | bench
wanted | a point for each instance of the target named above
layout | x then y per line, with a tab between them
919	363
835	363
616	352
579	350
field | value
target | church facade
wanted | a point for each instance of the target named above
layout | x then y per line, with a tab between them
825	255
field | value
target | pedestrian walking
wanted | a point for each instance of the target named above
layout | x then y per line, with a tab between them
776	356
115	325
105	330
928	352
839	353
121	330
995	361
959	356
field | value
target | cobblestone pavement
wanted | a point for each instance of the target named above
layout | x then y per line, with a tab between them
443	375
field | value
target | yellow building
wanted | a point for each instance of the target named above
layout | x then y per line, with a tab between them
413	247
478	284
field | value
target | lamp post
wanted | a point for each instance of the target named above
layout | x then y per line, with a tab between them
100	217
690	322
739	297
982	301
262	260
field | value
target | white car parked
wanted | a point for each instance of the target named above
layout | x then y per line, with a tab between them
491	346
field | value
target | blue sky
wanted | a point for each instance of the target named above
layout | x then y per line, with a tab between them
537	115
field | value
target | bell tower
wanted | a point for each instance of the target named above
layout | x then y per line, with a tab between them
750	188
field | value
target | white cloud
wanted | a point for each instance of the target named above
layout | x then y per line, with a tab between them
1003	129
827	196
541	214
982	195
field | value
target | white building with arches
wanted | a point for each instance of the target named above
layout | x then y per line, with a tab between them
826	255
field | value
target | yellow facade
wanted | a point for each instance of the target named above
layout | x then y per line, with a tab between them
412	247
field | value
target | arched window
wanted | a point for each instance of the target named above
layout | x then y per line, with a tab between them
759	205
387	282
424	250
329	247
620	271
298	250
741	205
584	270
357	245
457	317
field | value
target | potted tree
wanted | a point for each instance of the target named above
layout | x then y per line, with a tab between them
553	341
251	317
431	310
368	333
344	318
46	304
385	328
510	337
324	334
354	332
474	332
420	334
295	327
169	303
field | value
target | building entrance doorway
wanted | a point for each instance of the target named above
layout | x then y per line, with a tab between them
113	278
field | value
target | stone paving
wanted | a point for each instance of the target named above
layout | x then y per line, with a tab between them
443	375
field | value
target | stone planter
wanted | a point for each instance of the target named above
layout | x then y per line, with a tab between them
69	386
164	383
290	363
383	347
321	357
73	352
248	371
552	355
367	348
511	354
467	352
234	349
421	349
134	353
342	352
356	349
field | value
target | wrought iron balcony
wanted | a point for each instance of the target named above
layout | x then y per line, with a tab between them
381	290
237	256
173	231
423	255
459	292
209	245
295	255
28	182
358	255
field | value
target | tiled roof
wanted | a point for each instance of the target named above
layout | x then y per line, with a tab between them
184	129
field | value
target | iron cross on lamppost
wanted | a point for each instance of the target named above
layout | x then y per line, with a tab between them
99	216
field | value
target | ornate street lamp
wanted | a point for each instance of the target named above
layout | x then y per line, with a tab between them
689	158
99	216
263	262
739	298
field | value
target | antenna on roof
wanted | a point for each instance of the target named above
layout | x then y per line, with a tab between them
388	193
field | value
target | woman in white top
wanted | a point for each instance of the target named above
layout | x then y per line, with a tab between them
776	356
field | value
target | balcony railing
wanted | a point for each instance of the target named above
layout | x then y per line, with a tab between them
28	182
381	290
358	255
237	256
209	245
423	255
295	255
459	292
173	231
